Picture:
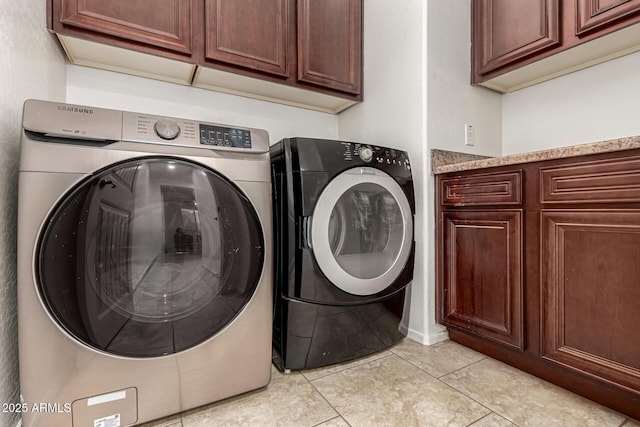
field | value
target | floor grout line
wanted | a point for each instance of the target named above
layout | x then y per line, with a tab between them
460	391
464	367
326	400
347	367
426	372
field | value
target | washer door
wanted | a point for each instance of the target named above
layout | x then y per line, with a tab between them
362	230
149	257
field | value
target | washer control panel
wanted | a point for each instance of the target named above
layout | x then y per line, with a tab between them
146	127
166	129
180	132
224	137
87	125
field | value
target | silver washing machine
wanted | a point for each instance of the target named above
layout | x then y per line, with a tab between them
144	265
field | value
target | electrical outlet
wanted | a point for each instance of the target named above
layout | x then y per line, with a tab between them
468	134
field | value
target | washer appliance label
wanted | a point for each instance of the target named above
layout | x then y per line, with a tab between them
110	421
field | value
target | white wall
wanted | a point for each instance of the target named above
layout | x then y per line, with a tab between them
393	114
418	97
594	104
32	67
452	101
107	89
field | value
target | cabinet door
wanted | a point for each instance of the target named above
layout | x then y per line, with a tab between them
481	273
249	33
505	31
591	292
596	15
330	44
162	24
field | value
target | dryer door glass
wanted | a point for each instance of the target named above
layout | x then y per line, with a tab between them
362	231
150	257
366	229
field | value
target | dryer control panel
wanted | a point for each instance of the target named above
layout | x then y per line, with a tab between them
376	155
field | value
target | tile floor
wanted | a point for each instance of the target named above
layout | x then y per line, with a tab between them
408	385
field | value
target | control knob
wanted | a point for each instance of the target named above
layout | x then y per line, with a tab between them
166	129
366	154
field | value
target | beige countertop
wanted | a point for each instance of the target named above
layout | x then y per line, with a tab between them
443	161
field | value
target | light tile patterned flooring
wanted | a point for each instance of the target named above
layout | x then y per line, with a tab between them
408	385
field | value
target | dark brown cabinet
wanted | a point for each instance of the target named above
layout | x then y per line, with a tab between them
313	43
481	297
310	46
591	292
510	34
595	15
509	31
330	44
149	25
538	267
249	33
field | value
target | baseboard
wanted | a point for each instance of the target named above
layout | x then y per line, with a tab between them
425	339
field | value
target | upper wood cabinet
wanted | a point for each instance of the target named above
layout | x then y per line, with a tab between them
154	26
594	15
249	33
516	43
314	48
330	44
508	30
314	43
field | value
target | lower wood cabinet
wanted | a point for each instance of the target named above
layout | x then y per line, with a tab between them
539	266
591	292
482	276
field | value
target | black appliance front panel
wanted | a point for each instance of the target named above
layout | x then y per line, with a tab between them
312	335
300	170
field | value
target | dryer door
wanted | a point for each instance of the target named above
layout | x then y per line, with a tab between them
149	257
362	231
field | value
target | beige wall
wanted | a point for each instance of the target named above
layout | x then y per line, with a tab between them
32	67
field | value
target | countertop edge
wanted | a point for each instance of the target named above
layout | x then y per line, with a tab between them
619	144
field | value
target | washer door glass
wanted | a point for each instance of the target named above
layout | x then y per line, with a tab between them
362	230
150	257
